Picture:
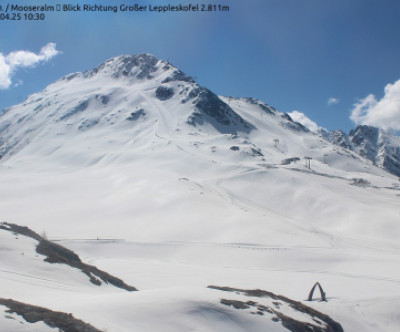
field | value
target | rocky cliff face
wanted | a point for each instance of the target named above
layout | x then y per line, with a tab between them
377	145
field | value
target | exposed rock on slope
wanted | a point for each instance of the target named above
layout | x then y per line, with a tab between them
55	319
319	322
377	145
58	254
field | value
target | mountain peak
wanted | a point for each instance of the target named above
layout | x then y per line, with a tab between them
151	97
375	144
139	65
363	132
135	66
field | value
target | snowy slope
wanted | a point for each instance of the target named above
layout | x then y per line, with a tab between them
184	189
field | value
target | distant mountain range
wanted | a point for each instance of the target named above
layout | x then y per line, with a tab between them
377	145
136	95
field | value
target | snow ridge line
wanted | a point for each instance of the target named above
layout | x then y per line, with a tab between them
56	253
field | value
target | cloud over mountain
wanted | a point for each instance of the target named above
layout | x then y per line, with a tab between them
383	113
304	120
13	61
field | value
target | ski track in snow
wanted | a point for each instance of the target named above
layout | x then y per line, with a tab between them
180	246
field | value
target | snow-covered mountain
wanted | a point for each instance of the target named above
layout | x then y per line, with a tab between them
377	145
144	173
125	95
131	94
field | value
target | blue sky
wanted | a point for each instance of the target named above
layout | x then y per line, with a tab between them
295	55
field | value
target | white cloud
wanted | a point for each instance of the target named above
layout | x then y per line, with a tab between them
5	80
383	113
10	63
304	120
333	101
18	83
